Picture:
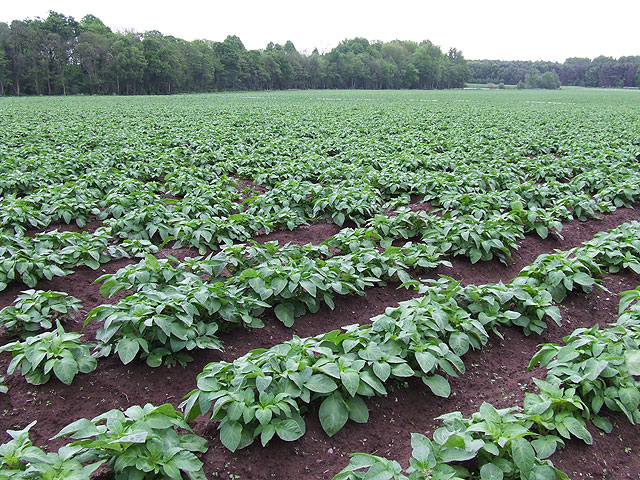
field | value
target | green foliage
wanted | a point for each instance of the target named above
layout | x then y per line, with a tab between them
497	441
161	324
11	452
337	369
36	310
593	369
600	364
51	254
173	308
547	80
54	352
345	202
562	272
109	62
20	460
618	249
421	338
140	443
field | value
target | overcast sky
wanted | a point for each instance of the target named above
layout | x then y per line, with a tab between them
495	29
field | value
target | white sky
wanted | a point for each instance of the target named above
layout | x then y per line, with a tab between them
495	29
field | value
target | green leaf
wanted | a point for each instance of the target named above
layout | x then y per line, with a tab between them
284	312
577	429
278	284
264	415
426	361
490	472
382	370
459	343
136	437
87	363
602	423
133	474
489	413
632	361
333	414
263	382
65	369
151	262
403	370
422	450
358	410
438	385
187	462
320	383
350	381
127	350
154	360
289	430
230	435
583	279
453	454
475	255
546	472
309	286
105	289
267	434
523	455
542	232
630	398
82	428
544	446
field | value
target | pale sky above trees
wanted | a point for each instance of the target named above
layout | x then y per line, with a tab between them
497	29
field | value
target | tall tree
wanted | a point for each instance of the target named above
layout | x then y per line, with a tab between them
201	65
5	63
93	52
60	39
228	53
128	64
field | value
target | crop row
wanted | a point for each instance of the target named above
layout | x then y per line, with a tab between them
141	442
339	191
477	224
174	309
266	390
54	253
205	195
177	307
594	369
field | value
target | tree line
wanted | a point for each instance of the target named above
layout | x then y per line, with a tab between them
59	55
584	72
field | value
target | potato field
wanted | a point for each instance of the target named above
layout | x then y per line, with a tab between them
321	284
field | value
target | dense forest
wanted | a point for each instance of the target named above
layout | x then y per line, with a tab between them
584	72
59	55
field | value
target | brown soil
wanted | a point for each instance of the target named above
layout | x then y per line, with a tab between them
314	233
90	226
244	183
497	374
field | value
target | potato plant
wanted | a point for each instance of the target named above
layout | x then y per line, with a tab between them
56	352
36	310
